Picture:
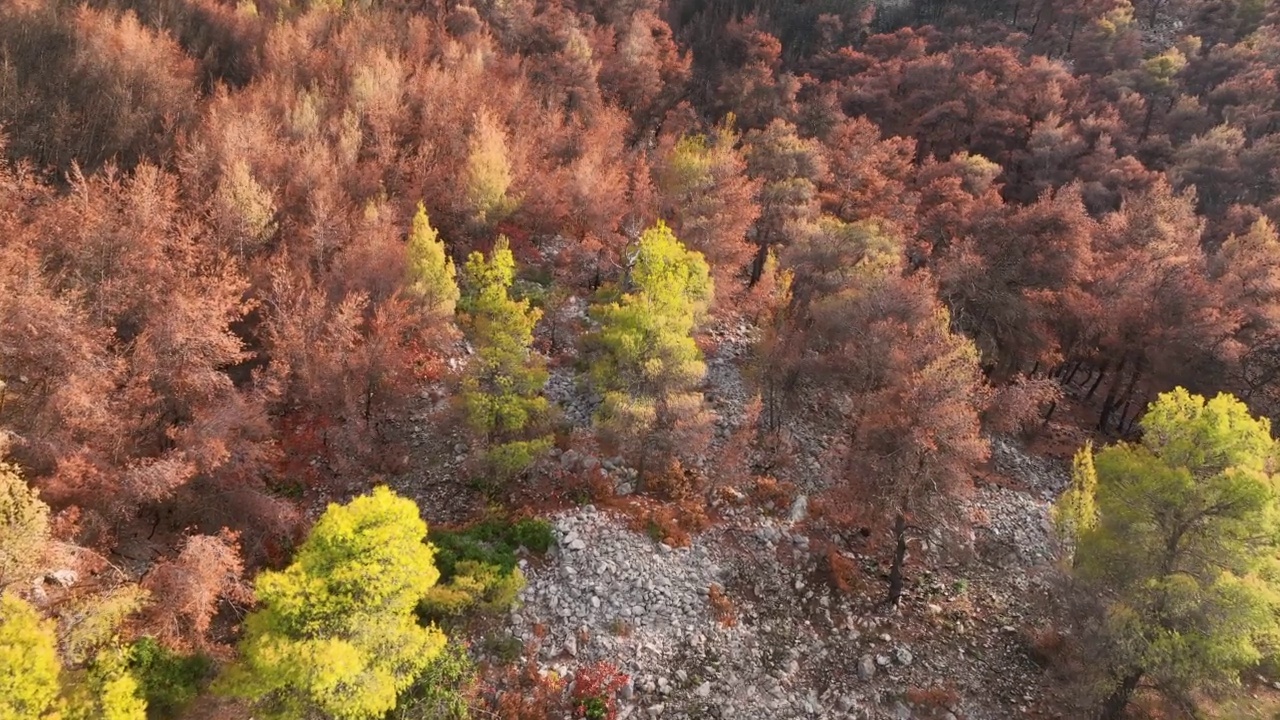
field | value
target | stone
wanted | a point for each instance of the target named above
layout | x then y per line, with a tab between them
577	545
799	509
866	667
571	646
64	578
882	660
704	690
902	656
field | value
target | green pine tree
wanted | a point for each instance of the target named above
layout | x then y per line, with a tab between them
336	633
1183	555
432	275
647	365
502	391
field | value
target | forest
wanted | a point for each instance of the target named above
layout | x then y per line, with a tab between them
399	359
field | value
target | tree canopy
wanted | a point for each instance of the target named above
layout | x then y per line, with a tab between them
1183	554
647	365
336	631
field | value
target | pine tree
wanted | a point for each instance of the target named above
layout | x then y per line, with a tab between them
488	172
1076	511
29	666
24	526
503	386
432	275
336	632
647	365
107	691
1184	552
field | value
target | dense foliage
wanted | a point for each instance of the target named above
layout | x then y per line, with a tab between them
247	243
336	632
1177	538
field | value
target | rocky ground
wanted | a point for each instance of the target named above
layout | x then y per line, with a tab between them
747	622
792	646
784	642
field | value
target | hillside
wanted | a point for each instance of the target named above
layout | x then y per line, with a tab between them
540	359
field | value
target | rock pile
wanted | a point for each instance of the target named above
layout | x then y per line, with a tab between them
793	649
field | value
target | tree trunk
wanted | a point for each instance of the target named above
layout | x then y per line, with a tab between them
757	265
1072	375
1113	401
899	559
1048	416
1102	372
1146	122
1115	704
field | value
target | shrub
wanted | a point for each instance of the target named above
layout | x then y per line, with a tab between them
168	681
595	690
529	694
493	542
938	697
721	606
476	585
446	690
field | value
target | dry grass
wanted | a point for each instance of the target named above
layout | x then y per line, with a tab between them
933	700
773	494
721	606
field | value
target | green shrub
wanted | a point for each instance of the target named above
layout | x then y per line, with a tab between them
506	647
478	566
493	542
168	681
508	460
534	534
444	601
444	690
477	585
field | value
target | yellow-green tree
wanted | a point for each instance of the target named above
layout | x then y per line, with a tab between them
1076	511
29	669
1184	552
24	526
502	390
432	276
106	690
647	365
336	635
488	172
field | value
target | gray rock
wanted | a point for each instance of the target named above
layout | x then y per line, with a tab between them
704	690
866	667
799	509
577	545
65	578
903	656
